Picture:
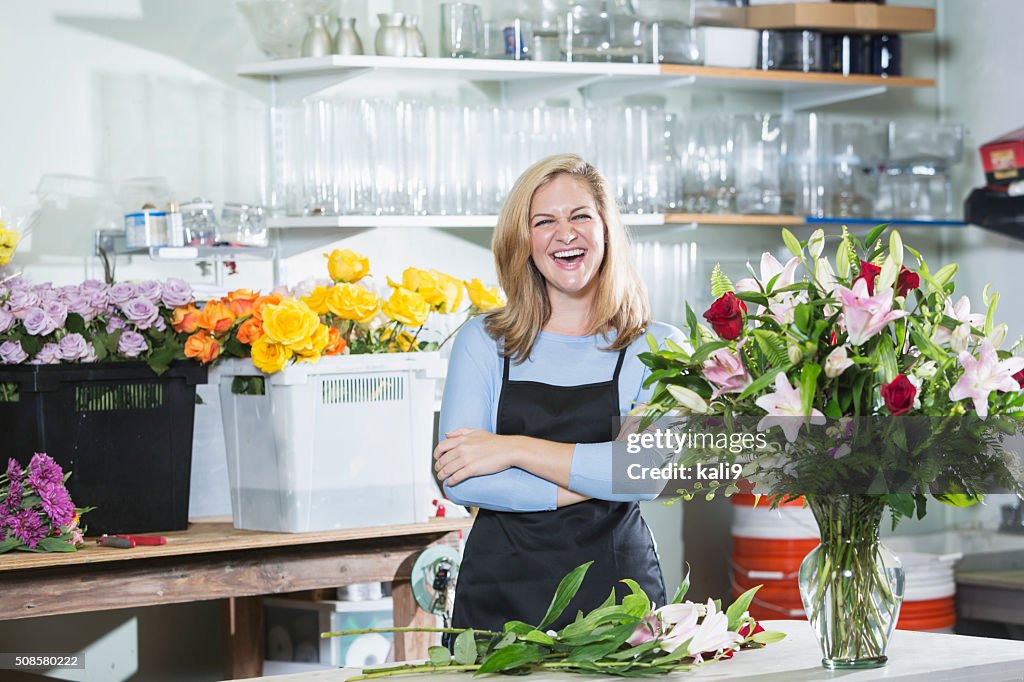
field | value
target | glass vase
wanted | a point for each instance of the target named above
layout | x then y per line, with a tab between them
851	585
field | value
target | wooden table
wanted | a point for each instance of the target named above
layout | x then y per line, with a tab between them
913	657
215	561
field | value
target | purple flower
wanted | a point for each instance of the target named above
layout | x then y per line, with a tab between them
121	293
27	527
3	522
150	290
47	293
160	325
14	471
98	299
49	354
114	323
11	353
93	285
14	476
56	503
131	344
7	320
22	298
42	469
80	303
141	312
38	323
58	312
176	293
90	353
73	347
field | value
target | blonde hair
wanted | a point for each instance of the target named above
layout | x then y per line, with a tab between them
620	301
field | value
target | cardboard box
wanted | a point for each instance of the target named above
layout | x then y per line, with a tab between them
861	17
1003	158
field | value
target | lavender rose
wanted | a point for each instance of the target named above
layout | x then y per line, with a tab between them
93	285
98	299
141	312
22	298
37	322
115	323
73	347
131	344
7	320
90	353
150	290
57	311
121	293
11	353
176	293
49	354
80	304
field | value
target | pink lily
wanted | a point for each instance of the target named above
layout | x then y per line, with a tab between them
985	374
712	634
725	370
785	408
961	312
780	305
866	315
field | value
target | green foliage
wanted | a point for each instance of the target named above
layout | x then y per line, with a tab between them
720	284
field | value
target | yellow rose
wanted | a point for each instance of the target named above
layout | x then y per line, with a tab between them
9	238
413	279
317	300
268	356
407	307
351	302
347	265
403	343
312	348
290	322
6	253
484	298
450	290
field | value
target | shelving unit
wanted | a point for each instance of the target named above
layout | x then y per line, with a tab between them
293	79
112	242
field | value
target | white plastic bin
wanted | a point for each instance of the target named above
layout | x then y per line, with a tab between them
343	443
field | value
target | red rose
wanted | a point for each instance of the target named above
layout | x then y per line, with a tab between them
726	316
899	395
907	280
1019	376
745	631
868	273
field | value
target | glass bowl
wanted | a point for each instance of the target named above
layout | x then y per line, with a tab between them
280	25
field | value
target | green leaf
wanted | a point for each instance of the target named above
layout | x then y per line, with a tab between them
903	503
465	648
567	589
875	233
720	284
792	243
9	544
509	638
736	610
683	588
652	343
945	274
802	317
610	601
702	353
518	627
768	637
691	325
808	386
74	323
679	652
539	637
512	656
885	355
773	347
439	655
753	297
760	383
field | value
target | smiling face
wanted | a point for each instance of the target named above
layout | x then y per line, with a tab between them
567	236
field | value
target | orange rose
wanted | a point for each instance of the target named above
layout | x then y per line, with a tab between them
250	330
263	301
216	317
335	342
185	318
202	346
241	302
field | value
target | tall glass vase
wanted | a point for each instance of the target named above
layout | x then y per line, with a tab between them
851	585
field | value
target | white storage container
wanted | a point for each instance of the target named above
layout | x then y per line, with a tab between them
730	47
343	443
292	629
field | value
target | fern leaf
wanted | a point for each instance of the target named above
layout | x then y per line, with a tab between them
720	284
773	348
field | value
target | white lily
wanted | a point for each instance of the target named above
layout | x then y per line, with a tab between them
785	409
837	362
985	374
961	312
689	401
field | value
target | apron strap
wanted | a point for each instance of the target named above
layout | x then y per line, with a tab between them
618	365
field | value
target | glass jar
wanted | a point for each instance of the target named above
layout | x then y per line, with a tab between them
200	222
243	224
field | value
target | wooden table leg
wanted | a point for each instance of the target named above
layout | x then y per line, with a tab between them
411	646
244	641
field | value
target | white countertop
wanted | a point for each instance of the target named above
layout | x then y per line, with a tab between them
913	657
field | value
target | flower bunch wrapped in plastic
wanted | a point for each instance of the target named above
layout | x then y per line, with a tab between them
90	322
36	512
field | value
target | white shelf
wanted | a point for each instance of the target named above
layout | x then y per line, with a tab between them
347	222
296	78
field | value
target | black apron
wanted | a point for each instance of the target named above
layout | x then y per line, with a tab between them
513	561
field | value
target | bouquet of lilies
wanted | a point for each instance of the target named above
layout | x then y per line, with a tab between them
866	376
626	638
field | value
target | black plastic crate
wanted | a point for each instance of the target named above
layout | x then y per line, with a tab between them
124	433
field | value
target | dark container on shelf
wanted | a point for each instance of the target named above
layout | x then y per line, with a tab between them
845	53
123	432
886	54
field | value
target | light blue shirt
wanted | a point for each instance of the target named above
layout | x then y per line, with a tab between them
471	393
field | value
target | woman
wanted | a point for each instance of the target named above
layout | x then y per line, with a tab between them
530	402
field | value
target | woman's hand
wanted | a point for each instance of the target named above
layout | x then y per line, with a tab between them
465	453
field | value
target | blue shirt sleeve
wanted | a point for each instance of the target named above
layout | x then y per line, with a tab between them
592	472
470	393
